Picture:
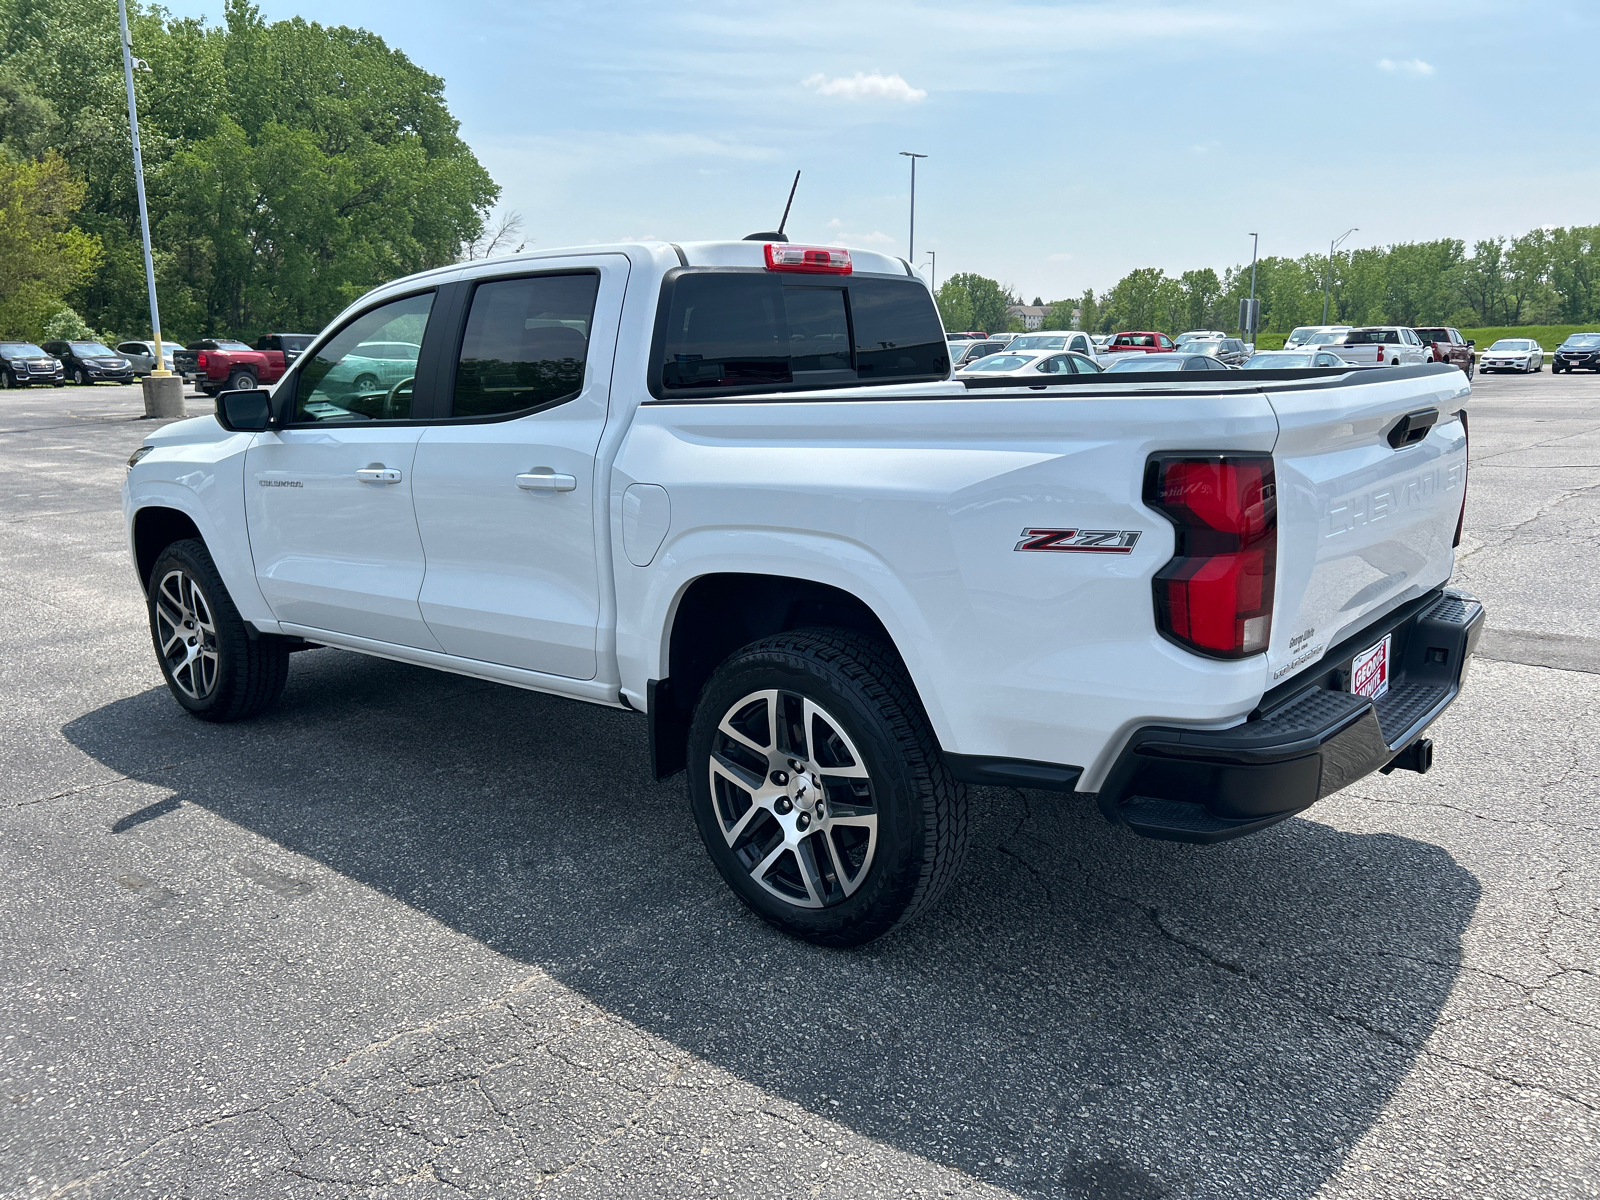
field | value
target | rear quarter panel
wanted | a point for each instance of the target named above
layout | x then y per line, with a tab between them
917	506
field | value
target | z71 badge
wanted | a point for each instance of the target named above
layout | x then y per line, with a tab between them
1080	541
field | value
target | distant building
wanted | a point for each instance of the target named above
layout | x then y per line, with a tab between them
1031	315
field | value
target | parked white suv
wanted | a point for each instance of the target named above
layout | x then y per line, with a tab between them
732	487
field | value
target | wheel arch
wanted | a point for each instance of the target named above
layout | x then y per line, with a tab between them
717	613
156	527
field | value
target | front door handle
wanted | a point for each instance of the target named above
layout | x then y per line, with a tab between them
378	473
543	479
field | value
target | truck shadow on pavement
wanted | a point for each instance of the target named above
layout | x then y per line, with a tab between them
1087	1015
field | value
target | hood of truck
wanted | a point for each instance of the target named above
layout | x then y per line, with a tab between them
1363	527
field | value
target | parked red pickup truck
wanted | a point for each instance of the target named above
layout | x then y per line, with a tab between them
1141	341
1449	346
223	365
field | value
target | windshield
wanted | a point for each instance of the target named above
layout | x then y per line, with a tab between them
1512	344
22	350
1203	347
1039	341
1185	338
1001	362
90	348
1278	361
1583	340
1322	339
1147	362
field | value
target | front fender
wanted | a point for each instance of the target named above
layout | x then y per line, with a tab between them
203	480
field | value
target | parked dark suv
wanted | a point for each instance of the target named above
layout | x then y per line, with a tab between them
292	344
23	363
91	362
1581	351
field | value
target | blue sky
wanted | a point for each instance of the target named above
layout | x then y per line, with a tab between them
1068	143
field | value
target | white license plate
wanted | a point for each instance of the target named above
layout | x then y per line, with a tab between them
1369	671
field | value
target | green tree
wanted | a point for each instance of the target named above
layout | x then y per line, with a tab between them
955	307
1575	274
42	255
1200	291
1141	299
290	166
987	300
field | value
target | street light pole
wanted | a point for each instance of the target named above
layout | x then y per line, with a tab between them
1327	281
911	253
160	367
933	271
1255	244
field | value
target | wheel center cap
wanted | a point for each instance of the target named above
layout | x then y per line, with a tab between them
805	790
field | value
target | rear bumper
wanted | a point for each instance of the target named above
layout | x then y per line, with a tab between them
1310	737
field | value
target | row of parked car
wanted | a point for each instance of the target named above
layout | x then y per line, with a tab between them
212	364
1069	351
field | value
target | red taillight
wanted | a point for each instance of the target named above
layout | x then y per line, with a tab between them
1466	464
1215	596
200	359
819	260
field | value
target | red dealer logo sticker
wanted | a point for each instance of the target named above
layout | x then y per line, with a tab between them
1369	670
1080	541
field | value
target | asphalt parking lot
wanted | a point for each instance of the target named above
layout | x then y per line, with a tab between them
413	935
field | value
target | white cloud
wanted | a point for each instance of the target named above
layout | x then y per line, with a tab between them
865	87
1406	66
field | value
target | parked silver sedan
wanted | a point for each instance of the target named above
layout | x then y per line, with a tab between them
1290	360
1030	363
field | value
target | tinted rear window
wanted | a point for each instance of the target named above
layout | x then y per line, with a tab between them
1371	337
745	330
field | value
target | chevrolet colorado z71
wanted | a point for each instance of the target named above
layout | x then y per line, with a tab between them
733	487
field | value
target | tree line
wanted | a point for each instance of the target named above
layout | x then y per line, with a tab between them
1546	276
290	167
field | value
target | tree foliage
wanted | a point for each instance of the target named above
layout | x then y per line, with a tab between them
1542	277
290	166
968	301
42	255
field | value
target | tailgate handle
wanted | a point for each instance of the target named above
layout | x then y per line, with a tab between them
1413	427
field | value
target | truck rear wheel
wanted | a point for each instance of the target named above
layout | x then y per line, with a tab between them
212	665
819	789
241	381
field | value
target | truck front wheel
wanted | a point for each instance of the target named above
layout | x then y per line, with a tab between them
819	789
212	666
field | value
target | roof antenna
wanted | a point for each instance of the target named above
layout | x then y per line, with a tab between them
777	234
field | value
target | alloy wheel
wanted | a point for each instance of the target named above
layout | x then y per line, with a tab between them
187	633
793	797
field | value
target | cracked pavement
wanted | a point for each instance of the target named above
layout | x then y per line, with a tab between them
413	935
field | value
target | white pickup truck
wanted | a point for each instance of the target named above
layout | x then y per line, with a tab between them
733	487
1383	346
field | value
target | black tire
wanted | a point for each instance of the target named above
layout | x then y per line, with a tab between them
245	675
79	378
365	382
241	381
919	809
6	381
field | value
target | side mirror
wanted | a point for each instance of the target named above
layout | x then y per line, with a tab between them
245	411
1470	342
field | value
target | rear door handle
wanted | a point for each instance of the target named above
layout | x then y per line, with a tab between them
543	479
378	473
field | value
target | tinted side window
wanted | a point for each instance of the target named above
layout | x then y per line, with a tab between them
1080	344
365	372
897	331
525	344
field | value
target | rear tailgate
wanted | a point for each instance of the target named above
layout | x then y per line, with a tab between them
1364	526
